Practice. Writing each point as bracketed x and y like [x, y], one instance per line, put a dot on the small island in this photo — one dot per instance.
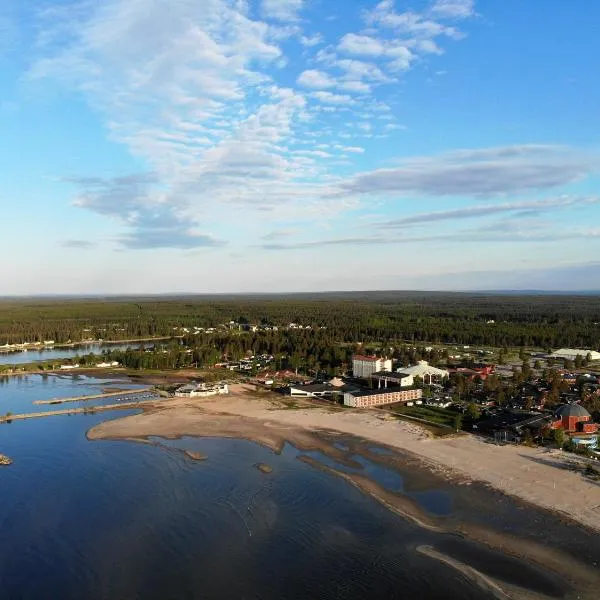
[196, 455]
[264, 468]
[5, 460]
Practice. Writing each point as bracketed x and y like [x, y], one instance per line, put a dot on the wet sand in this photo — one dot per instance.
[266, 420]
[545, 478]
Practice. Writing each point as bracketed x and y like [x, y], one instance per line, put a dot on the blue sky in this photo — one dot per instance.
[292, 145]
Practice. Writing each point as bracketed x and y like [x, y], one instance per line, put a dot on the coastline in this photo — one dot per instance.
[537, 476]
[264, 419]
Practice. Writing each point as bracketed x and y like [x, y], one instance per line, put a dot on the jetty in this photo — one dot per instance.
[74, 411]
[94, 396]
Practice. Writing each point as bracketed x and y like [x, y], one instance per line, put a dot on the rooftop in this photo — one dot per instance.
[571, 410]
[377, 392]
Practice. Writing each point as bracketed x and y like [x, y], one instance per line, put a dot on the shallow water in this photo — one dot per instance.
[116, 519]
[19, 392]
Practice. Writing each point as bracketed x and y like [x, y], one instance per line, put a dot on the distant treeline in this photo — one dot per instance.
[383, 317]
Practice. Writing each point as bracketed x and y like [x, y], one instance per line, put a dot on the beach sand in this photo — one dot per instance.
[541, 477]
[271, 420]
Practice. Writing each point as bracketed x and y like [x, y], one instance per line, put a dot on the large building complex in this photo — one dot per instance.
[425, 371]
[368, 398]
[365, 366]
[385, 378]
[572, 354]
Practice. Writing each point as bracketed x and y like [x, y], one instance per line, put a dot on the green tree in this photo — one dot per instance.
[458, 422]
[473, 411]
[559, 437]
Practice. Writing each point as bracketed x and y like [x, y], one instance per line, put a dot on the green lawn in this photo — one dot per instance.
[443, 416]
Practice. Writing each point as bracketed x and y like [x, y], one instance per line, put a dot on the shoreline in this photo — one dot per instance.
[65, 345]
[264, 421]
[538, 476]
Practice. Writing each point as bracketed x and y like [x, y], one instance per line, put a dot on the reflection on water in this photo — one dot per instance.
[94, 520]
[129, 520]
[50, 353]
[19, 392]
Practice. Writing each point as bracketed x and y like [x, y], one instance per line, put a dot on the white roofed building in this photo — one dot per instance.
[572, 354]
[425, 371]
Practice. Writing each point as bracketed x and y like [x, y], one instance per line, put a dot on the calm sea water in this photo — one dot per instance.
[122, 520]
[19, 392]
[19, 358]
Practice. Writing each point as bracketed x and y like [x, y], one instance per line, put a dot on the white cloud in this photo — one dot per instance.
[282, 10]
[456, 9]
[479, 173]
[315, 79]
[353, 149]
[330, 98]
[361, 45]
[484, 210]
[310, 41]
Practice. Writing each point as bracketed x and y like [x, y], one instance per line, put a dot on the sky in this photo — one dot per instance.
[170, 146]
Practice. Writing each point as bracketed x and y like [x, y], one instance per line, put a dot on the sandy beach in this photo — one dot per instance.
[271, 420]
[541, 477]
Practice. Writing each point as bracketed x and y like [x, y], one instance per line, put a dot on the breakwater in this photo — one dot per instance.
[74, 411]
[94, 396]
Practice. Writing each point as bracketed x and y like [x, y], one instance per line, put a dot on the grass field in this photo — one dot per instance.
[433, 414]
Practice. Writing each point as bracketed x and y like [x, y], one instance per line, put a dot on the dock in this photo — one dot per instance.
[74, 411]
[94, 397]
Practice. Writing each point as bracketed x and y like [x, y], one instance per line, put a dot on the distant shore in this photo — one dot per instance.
[41, 347]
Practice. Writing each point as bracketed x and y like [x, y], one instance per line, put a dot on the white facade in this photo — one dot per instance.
[203, 390]
[425, 371]
[572, 354]
[365, 366]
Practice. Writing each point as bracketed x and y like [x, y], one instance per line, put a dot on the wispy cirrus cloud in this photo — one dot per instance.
[492, 234]
[195, 94]
[78, 244]
[485, 210]
[479, 173]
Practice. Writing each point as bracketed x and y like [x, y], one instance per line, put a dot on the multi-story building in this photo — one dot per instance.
[385, 378]
[368, 398]
[365, 366]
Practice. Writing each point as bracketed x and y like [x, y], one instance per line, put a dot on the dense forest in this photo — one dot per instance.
[542, 321]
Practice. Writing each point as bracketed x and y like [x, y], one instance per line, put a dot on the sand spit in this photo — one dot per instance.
[266, 420]
[195, 455]
[538, 476]
[485, 583]
[575, 573]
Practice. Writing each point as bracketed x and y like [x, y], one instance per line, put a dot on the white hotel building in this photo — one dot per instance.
[365, 366]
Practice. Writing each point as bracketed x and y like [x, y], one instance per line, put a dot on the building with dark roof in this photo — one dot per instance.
[511, 425]
[574, 417]
[384, 378]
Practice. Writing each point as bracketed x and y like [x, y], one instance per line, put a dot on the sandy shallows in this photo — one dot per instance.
[544, 478]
